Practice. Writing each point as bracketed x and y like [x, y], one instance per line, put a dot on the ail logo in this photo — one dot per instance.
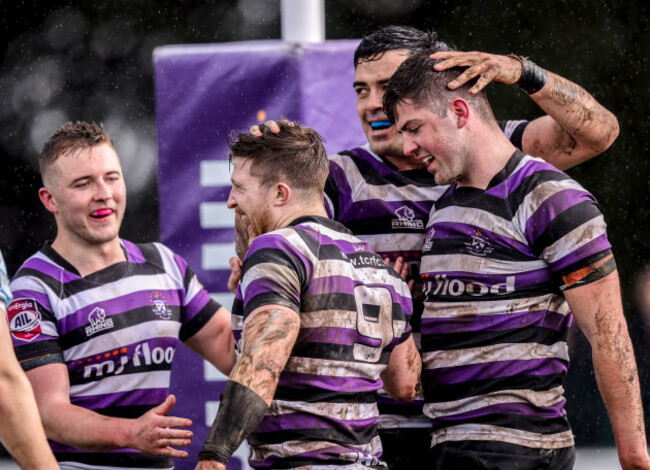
[24, 319]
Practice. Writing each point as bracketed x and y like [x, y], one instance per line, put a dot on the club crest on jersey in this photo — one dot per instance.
[479, 244]
[98, 321]
[159, 304]
[24, 319]
[406, 219]
[428, 243]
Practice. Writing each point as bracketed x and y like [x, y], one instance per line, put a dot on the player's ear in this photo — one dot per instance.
[283, 194]
[459, 110]
[47, 198]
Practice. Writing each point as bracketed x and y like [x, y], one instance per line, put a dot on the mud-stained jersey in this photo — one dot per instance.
[116, 330]
[495, 323]
[389, 210]
[353, 311]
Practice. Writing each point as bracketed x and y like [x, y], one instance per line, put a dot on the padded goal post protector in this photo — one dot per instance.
[203, 93]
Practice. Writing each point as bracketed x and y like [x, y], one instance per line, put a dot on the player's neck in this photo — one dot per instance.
[404, 163]
[490, 154]
[89, 258]
[286, 217]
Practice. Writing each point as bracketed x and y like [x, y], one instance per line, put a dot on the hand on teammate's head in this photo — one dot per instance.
[272, 125]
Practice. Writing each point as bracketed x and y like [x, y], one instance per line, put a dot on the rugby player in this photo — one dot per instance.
[514, 251]
[384, 197]
[100, 317]
[325, 320]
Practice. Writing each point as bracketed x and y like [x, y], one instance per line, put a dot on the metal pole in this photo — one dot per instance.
[303, 20]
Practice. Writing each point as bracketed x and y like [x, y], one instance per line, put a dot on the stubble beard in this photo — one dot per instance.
[90, 237]
[392, 147]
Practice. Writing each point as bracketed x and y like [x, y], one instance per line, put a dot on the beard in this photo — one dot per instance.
[243, 236]
[260, 222]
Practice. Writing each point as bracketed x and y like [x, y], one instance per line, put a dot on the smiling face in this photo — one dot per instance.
[370, 80]
[86, 193]
[435, 141]
[250, 198]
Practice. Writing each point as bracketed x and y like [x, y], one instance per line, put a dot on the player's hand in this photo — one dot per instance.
[154, 431]
[272, 125]
[488, 67]
[235, 274]
[209, 465]
[400, 268]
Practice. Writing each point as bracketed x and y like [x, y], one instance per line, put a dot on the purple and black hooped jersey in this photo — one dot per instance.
[389, 210]
[116, 330]
[385, 207]
[353, 311]
[495, 322]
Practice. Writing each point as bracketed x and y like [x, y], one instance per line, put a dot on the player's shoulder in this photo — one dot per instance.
[533, 171]
[152, 253]
[282, 241]
[361, 157]
[39, 269]
[535, 181]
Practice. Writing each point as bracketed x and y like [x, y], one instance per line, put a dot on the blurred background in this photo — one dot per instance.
[92, 60]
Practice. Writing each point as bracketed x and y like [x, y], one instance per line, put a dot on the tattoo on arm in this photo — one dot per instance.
[583, 108]
[269, 336]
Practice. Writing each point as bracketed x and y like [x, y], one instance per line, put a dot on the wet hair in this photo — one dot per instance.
[77, 135]
[416, 80]
[373, 46]
[295, 155]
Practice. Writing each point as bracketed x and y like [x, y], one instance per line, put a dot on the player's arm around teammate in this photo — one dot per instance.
[599, 314]
[402, 376]
[21, 430]
[576, 127]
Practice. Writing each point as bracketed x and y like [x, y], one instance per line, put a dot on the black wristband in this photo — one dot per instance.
[240, 411]
[533, 77]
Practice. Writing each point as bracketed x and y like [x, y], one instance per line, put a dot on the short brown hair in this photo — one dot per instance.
[295, 155]
[417, 81]
[71, 136]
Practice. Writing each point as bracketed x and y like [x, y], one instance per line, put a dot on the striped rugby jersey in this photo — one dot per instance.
[389, 209]
[116, 330]
[495, 323]
[353, 311]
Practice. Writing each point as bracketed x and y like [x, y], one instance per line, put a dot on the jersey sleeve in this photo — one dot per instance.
[337, 189]
[197, 307]
[564, 225]
[5, 292]
[33, 324]
[274, 272]
[514, 131]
